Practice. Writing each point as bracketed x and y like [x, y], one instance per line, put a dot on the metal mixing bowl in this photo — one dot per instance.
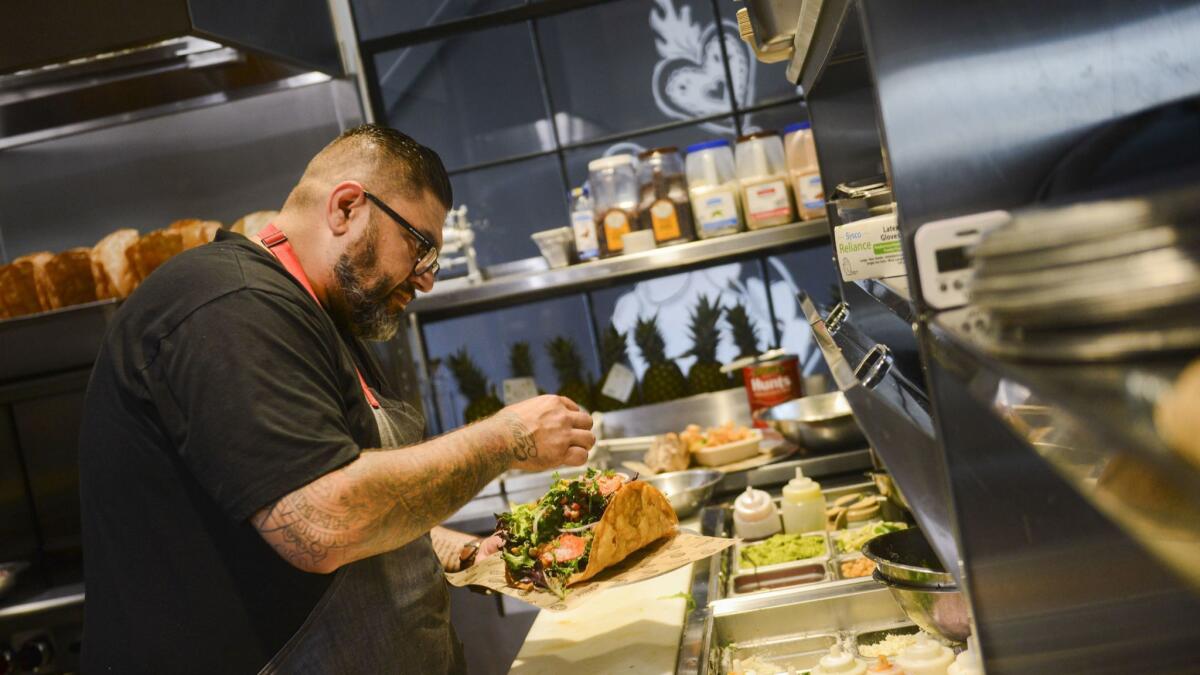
[819, 423]
[937, 611]
[907, 565]
[686, 490]
[907, 558]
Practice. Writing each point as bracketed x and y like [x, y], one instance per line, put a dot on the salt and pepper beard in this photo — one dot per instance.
[355, 304]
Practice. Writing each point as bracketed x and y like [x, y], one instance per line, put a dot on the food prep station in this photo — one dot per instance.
[1068, 530]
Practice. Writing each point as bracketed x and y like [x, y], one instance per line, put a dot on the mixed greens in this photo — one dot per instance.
[547, 541]
[853, 540]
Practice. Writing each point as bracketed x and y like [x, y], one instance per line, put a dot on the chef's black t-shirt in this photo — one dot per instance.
[221, 386]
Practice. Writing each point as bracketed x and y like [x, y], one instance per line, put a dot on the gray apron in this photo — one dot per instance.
[389, 613]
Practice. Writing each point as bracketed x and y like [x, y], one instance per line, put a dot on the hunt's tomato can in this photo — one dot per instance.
[770, 382]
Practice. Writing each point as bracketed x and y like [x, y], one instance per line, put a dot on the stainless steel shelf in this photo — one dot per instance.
[1093, 425]
[524, 288]
[893, 295]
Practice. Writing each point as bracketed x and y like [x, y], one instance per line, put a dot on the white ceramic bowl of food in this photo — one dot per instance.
[720, 455]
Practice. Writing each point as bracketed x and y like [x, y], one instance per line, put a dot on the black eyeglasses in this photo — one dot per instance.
[427, 253]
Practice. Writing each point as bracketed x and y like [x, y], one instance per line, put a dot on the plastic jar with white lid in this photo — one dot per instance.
[763, 176]
[755, 515]
[713, 188]
[614, 200]
[925, 657]
[801, 153]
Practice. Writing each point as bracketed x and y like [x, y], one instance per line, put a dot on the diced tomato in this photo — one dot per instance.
[569, 547]
[610, 484]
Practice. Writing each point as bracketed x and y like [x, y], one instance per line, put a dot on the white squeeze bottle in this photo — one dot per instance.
[754, 515]
[762, 173]
[969, 662]
[925, 657]
[713, 189]
[803, 505]
[838, 662]
[801, 154]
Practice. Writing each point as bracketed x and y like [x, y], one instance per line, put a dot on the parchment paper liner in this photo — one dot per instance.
[665, 555]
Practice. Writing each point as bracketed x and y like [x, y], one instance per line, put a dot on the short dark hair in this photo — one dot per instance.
[422, 166]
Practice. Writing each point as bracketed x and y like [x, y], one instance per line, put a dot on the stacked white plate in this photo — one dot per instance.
[1098, 280]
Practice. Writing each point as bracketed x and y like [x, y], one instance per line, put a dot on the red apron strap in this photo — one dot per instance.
[277, 243]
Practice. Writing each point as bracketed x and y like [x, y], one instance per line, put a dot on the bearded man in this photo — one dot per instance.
[253, 497]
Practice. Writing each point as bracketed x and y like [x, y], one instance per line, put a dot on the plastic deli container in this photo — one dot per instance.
[663, 197]
[614, 200]
[801, 153]
[713, 189]
[763, 176]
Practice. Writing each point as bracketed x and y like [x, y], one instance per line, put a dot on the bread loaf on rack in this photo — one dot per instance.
[68, 278]
[36, 264]
[195, 231]
[249, 224]
[152, 250]
[18, 288]
[115, 276]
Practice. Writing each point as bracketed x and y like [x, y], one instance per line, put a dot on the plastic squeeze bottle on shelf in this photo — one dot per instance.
[925, 657]
[803, 505]
[838, 662]
[969, 662]
[583, 223]
[801, 154]
[884, 667]
[754, 515]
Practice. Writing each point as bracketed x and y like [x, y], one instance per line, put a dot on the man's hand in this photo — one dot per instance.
[489, 546]
[547, 432]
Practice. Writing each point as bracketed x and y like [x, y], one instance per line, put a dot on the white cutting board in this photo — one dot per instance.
[629, 629]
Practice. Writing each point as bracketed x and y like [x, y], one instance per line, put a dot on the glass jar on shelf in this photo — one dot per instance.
[614, 200]
[663, 197]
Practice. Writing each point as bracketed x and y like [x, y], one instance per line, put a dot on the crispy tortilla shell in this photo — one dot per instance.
[637, 515]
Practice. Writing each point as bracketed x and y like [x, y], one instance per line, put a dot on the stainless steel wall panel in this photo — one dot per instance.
[977, 102]
[216, 162]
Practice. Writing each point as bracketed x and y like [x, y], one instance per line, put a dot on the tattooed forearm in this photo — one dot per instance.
[384, 500]
[523, 446]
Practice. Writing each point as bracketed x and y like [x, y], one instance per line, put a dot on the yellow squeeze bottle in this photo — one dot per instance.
[803, 505]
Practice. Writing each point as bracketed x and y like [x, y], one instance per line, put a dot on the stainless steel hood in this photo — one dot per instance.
[66, 66]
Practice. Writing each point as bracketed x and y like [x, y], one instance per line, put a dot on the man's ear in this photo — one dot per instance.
[344, 199]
